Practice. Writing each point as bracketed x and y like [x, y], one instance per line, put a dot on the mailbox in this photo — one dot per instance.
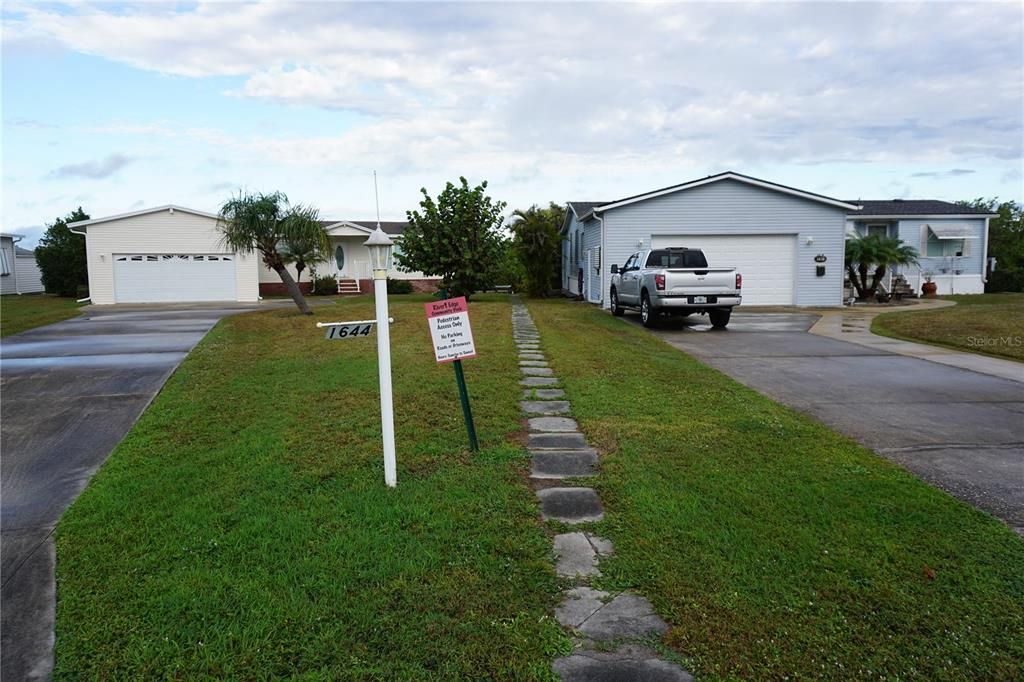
[820, 270]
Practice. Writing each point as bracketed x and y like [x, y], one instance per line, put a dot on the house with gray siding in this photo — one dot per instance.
[952, 240]
[788, 243]
[19, 273]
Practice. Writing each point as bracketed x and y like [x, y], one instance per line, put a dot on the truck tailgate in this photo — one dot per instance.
[700, 281]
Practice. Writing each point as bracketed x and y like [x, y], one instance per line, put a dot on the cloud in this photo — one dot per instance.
[93, 170]
[954, 173]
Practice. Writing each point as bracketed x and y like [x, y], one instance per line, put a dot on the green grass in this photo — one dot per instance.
[990, 324]
[775, 548]
[242, 530]
[21, 313]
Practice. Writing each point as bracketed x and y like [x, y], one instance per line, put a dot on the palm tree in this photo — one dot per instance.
[301, 250]
[865, 252]
[260, 222]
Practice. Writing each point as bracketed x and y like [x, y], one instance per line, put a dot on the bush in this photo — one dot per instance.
[399, 286]
[1005, 279]
[61, 257]
[325, 286]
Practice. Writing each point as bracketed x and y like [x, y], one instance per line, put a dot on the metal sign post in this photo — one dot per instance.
[453, 341]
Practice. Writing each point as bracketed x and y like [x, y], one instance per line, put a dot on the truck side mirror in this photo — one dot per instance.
[615, 269]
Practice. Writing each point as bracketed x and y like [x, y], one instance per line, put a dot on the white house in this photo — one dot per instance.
[19, 273]
[173, 254]
[788, 243]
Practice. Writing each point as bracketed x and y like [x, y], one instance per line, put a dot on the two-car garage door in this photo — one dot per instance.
[767, 262]
[173, 277]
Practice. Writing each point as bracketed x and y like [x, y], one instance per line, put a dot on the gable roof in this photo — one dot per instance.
[18, 251]
[368, 226]
[582, 208]
[119, 216]
[915, 207]
[728, 175]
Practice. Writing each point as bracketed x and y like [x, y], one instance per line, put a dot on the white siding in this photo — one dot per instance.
[159, 233]
[7, 282]
[30, 279]
[729, 207]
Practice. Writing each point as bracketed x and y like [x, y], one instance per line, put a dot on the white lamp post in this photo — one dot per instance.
[380, 245]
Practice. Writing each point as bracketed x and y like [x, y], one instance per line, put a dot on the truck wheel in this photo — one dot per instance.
[648, 317]
[614, 299]
[719, 318]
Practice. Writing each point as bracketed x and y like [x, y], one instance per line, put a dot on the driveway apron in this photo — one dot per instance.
[71, 391]
[958, 429]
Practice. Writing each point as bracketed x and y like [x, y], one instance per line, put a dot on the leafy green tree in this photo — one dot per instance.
[262, 222]
[509, 270]
[537, 241]
[1005, 242]
[61, 256]
[456, 237]
[867, 252]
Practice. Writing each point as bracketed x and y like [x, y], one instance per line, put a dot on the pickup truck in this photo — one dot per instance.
[674, 281]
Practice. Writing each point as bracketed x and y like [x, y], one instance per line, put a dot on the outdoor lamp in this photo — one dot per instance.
[380, 246]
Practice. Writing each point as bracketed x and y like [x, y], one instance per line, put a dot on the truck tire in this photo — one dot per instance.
[720, 317]
[648, 316]
[614, 301]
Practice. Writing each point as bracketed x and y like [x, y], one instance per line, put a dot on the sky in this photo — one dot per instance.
[116, 107]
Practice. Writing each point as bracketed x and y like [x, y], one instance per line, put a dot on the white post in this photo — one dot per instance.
[387, 413]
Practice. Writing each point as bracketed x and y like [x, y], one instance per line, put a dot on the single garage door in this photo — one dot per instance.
[767, 262]
[173, 278]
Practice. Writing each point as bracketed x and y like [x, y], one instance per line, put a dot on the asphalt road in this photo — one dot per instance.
[70, 392]
[957, 429]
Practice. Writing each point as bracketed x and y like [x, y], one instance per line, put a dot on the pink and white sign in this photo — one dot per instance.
[449, 329]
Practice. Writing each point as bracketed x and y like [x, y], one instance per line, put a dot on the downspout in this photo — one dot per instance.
[14, 264]
[82, 232]
[600, 279]
[984, 257]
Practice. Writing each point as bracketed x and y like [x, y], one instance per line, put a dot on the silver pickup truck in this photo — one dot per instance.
[674, 281]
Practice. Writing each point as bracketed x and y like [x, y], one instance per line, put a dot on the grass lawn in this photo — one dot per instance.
[242, 530]
[21, 313]
[775, 548]
[992, 324]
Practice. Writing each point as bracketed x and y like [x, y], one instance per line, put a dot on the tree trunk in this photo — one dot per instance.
[877, 278]
[858, 286]
[293, 289]
[865, 292]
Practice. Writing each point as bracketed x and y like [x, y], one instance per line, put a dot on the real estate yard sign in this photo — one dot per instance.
[452, 338]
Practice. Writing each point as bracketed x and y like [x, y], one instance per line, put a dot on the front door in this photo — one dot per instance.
[340, 262]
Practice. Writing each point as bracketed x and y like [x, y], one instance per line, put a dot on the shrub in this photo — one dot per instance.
[1005, 279]
[61, 257]
[325, 286]
[399, 286]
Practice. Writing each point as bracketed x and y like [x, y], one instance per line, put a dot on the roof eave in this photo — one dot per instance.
[132, 214]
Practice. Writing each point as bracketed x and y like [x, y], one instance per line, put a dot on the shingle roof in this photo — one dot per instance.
[911, 207]
[581, 208]
[24, 252]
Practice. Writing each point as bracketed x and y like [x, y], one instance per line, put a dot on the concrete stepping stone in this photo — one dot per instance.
[575, 556]
[627, 616]
[625, 664]
[538, 381]
[531, 356]
[555, 441]
[580, 603]
[564, 463]
[560, 424]
[570, 505]
[544, 406]
[543, 393]
[533, 363]
[537, 371]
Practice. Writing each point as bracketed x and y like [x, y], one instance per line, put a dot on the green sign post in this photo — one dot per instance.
[453, 341]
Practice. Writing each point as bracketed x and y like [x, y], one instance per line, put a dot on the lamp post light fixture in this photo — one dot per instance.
[380, 247]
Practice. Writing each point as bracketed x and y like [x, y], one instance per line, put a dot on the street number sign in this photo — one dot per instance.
[450, 330]
[348, 331]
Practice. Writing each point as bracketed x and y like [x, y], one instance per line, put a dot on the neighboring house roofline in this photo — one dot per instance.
[12, 235]
[728, 175]
[132, 214]
[915, 208]
[347, 223]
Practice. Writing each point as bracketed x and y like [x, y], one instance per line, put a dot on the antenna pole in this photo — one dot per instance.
[376, 198]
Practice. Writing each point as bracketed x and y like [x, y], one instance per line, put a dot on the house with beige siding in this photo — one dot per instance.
[174, 254]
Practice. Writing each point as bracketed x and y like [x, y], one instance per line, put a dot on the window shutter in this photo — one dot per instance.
[597, 258]
[924, 240]
[966, 250]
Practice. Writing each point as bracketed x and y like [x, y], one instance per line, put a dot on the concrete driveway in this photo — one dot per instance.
[958, 429]
[71, 391]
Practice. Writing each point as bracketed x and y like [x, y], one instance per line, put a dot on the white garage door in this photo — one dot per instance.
[173, 278]
[767, 262]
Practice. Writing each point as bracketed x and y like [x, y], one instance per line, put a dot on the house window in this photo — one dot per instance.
[878, 230]
[943, 248]
[5, 265]
[339, 258]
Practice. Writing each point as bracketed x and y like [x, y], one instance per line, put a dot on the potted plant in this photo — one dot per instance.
[929, 288]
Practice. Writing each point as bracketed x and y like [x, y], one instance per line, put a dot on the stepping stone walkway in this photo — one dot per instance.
[560, 451]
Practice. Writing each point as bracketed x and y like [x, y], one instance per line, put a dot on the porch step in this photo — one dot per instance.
[348, 286]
